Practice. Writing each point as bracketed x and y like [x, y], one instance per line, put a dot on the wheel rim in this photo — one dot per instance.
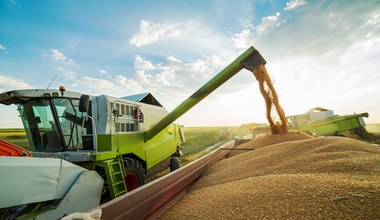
[131, 181]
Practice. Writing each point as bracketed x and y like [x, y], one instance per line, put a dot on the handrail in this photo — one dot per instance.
[94, 134]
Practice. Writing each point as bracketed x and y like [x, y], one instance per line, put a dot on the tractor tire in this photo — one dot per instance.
[134, 175]
[174, 163]
[359, 131]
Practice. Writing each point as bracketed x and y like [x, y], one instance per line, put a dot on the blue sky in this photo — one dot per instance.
[319, 53]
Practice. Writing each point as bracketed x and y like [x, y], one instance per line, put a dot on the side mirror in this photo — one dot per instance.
[84, 103]
[38, 119]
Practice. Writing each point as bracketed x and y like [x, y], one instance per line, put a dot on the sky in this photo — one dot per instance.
[319, 53]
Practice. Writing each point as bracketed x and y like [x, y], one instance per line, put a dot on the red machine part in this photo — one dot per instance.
[9, 149]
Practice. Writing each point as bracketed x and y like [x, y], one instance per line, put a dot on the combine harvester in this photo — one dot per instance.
[87, 150]
[321, 121]
[82, 147]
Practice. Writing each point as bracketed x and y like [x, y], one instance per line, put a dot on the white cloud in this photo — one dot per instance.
[243, 39]
[247, 37]
[58, 56]
[373, 24]
[374, 19]
[267, 24]
[182, 39]
[320, 28]
[102, 71]
[141, 77]
[293, 4]
[159, 77]
[124, 82]
[174, 79]
[141, 63]
[68, 74]
[3, 49]
[171, 81]
[150, 33]
[363, 53]
[172, 62]
[175, 72]
[95, 84]
[7, 83]
[118, 85]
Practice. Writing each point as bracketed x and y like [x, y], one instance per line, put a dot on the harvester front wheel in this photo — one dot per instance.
[134, 175]
[174, 163]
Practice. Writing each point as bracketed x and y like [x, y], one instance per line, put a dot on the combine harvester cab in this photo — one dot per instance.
[100, 135]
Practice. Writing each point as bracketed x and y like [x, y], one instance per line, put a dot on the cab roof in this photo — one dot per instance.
[20, 96]
[147, 98]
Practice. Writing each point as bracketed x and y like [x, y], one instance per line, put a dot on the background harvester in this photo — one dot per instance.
[321, 121]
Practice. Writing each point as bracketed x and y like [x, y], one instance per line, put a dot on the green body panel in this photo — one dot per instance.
[108, 145]
[333, 124]
[105, 155]
[162, 146]
[105, 143]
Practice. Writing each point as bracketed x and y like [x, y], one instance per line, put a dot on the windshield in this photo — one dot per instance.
[53, 125]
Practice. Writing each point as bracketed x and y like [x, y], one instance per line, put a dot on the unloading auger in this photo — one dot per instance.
[251, 60]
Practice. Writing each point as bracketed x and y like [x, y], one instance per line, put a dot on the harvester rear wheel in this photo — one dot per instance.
[134, 175]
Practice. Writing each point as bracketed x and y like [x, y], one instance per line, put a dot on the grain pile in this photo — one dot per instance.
[304, 178]
[266, 140]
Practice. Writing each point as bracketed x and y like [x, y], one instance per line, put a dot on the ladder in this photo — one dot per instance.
[115, 177]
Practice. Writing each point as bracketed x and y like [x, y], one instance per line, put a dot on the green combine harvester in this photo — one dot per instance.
[321, 121]
[87, 150]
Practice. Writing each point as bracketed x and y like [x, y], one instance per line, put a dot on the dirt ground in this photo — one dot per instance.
[288, 176]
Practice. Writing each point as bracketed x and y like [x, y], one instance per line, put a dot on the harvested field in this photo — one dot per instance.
[290, 176]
